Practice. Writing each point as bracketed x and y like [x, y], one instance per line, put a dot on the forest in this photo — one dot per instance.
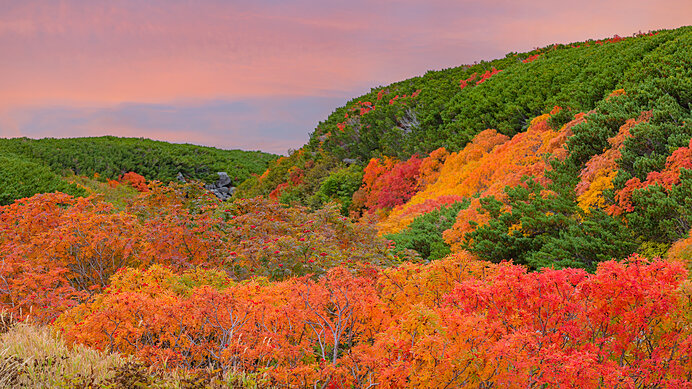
[520, 222]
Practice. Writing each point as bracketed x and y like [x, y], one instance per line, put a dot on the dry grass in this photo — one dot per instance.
[34, 356]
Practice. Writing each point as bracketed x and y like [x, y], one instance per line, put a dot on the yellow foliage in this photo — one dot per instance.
[593, 197]
[682, 251]
[485, 166]
[601, 169]
[457, 168]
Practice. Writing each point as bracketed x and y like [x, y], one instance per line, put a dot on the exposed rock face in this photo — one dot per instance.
[222, 188]
[224, 179]
[181, 178]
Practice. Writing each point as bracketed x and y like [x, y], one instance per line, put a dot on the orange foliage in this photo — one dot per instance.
[180, 226]
[57, 248]
[601, 169]
[617, 92]
[276, 193]
[456, 322]
[682, 251]
[505, 165]
[262, 238]
[485, 166]
[302, 328]
[430, 167]
[454, 167]
[389, 183]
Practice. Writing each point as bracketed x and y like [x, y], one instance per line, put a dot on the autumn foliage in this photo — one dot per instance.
[175, 226]
[485, 166]
[457, 322]
[388, 182]
[469, 205]
[601, 169]
[135, 180]
[666, 179]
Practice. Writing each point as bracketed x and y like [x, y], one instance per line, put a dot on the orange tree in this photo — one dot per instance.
[300, 331]
[56, 249]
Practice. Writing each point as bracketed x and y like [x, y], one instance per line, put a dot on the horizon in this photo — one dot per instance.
[258, 76]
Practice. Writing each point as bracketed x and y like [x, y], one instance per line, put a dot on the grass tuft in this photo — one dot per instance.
[33, 356]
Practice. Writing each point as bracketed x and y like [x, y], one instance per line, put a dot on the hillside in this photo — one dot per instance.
[519, 223]
[602, 125]
[111, 157]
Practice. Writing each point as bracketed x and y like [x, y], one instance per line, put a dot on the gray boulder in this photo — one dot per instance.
[224, 179]
[221, 188]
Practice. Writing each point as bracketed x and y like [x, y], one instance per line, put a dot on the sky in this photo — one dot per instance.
[260, 74]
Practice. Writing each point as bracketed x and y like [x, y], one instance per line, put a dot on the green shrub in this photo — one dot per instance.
[21, 178]
[424, 234]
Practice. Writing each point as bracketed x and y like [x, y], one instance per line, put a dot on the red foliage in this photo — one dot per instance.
[84, 240]
[667, 178]
[362, 107]
[454, 323]
[55, 248]
[531, 58]
[464, 83]
[135, 180]
[397, 97]
[388, 183]
[486, 76]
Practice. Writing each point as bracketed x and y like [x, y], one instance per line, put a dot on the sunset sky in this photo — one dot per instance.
[259, 74]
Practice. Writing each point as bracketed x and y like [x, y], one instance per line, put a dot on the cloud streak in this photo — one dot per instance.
[269, 124]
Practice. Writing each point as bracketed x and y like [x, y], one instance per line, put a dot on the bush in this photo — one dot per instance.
[424, 234]
[20, 178]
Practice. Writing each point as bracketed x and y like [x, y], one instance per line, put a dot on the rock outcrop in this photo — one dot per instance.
[222, 188]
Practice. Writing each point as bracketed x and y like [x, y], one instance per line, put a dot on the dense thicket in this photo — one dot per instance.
[601, 125]
[449, 107]
[447, 273]
[20, 178]
[111, 157]
[424, 234]
[170, 281]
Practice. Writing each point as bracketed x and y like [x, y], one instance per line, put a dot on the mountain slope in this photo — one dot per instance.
[601, 127]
